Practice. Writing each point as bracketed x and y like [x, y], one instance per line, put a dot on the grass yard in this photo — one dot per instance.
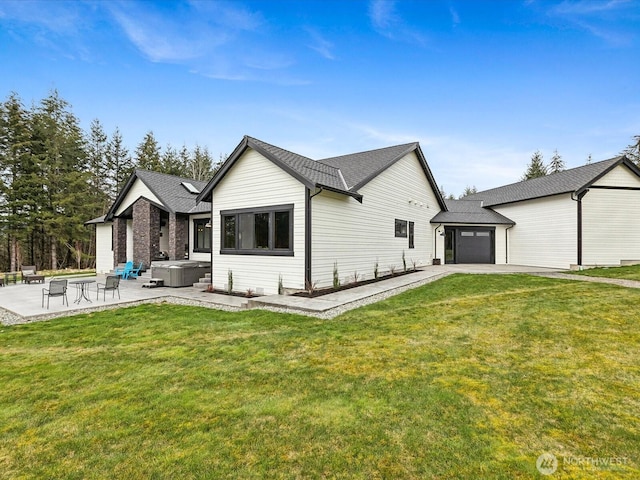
[468, 377]
[631, 272]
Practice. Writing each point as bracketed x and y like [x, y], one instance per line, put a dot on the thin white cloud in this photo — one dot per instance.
[455, 17]
[389, 23]
[587, 7]
[600, 18]
[320, 45]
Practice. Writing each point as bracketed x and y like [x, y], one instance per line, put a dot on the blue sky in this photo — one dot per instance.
[481, 85]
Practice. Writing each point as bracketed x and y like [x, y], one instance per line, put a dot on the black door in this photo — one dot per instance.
[472, 244]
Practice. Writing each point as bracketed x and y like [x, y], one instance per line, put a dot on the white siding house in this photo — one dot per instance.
[582, 217]
[349, 212]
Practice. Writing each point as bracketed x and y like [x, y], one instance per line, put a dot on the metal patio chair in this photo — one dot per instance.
[57, 288]
[112, 282]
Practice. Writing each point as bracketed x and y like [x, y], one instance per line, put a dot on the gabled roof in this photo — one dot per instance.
[470, 212]
[169, 189]
[344, 174]
[575, 180]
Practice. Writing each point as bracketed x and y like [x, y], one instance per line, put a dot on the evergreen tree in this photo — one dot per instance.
[148, 155]
[556, 164]
[59, 149]
[19, 176]
[633, 150]
[119, 165]
[172, 163]
[536, 167]
[469, 191]
[98, 165]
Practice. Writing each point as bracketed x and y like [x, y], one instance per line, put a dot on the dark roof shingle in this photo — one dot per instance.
[470, 212]
[571, 180]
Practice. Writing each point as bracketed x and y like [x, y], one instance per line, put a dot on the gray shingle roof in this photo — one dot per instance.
[470, 212]
[316, 173]
[173, 196]
[358, 168]
[344, 174]
[572, 180]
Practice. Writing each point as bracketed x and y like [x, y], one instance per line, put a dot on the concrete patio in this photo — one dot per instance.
[22, 303]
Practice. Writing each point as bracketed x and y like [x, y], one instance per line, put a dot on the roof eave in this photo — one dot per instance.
[349, 193]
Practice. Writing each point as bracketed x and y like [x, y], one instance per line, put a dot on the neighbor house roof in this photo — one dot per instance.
[470, 212]
[575, 180]
[174, 192]
[344, 174]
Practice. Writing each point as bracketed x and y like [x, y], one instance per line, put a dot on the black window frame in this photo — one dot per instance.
[412, 234]
[204, 222]
[401, 228]
[271, 210]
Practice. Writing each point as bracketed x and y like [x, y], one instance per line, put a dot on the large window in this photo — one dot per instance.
[401, 228]
[201, 235]
[258, 231]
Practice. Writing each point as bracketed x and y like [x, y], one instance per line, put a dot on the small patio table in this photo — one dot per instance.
[82, 290]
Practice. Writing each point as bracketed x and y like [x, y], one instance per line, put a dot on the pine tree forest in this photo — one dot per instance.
[54, 177]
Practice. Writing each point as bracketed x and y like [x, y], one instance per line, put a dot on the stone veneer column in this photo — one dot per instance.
[119, 239]
[146, 231]
[178, 233]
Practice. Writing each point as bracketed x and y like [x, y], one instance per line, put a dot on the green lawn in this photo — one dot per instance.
[468, 377]
[631, 272]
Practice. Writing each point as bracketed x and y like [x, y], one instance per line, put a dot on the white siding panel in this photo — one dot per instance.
[620, 176]
[104, 247]
[545, 234]
[611, 230]
[357, 235]
[137, 190]
[255, 181]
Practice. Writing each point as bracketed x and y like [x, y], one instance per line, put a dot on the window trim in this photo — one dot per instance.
[271, 251]
[204, 222]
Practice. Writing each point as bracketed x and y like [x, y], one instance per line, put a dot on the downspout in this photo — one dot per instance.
[506, 244]
[307, 235]
[435, 242]
[578, 199]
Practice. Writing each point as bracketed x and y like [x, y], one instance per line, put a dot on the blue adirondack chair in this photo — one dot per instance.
[125, 271]
[135, 272]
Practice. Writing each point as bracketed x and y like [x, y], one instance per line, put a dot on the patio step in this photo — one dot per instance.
[202, 285]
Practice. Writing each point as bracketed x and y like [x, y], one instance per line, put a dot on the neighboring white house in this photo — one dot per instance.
[155, 216]
[281, 217]
[582, 217]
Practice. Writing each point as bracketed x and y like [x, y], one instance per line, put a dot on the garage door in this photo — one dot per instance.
[473, 245]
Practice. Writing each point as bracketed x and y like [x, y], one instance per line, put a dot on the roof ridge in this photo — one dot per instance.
[410, 144]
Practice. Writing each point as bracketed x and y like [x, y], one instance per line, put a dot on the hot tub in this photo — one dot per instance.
[179, 273]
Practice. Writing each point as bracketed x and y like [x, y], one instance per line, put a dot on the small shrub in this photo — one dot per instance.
[414, 264]
[336, 276]
[229, 282]
[211, 288]
[310, 287]
[392, 270]
[249, 293]
[404, 261]
[356, 277]
[375, 270]
[280, 285]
